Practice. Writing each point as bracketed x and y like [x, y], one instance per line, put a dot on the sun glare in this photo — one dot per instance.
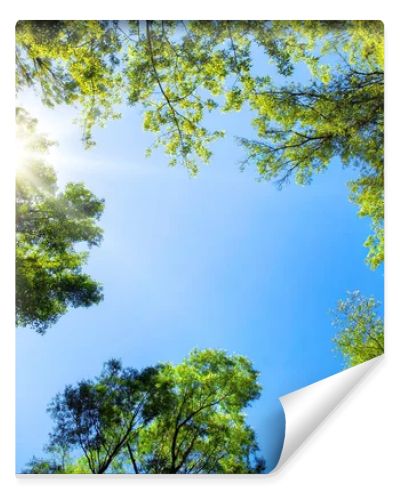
[22, 154]
[54, 125]
[30, 143]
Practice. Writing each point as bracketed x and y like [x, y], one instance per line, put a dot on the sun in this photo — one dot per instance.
[32, 144]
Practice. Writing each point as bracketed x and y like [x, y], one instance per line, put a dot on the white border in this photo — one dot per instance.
[350, 455]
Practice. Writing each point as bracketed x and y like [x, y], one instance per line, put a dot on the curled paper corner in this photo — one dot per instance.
[306, 408]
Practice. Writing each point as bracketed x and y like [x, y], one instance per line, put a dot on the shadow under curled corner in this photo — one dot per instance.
[306, 408]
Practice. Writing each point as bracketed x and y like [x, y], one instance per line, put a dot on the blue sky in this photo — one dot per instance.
[217, 261]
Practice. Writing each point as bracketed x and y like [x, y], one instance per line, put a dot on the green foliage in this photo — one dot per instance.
[301, 127]
[185, 418]
[203, 428]
[361, 332]
[180, 71]
[43, 466]
[99, 417]
[71, 62]
[49, 223]
[59, 461]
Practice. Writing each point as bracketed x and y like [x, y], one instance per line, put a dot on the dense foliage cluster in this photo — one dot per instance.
[360, 334]
[168, 419]
[180, 71]
[49, 223]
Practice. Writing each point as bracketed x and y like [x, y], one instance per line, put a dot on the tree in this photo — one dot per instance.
[301, 127]
[58, 462]
[361, 333]
[186, 418]
[179, 71]
[43, 466]
[49, 223]
[99, 417]
[203, 428]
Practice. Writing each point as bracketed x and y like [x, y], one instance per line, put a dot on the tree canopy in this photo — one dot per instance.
[49, 224]
[360, 334]
[99, 417]
[180, 71]
[185, 418]
[203, 428]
